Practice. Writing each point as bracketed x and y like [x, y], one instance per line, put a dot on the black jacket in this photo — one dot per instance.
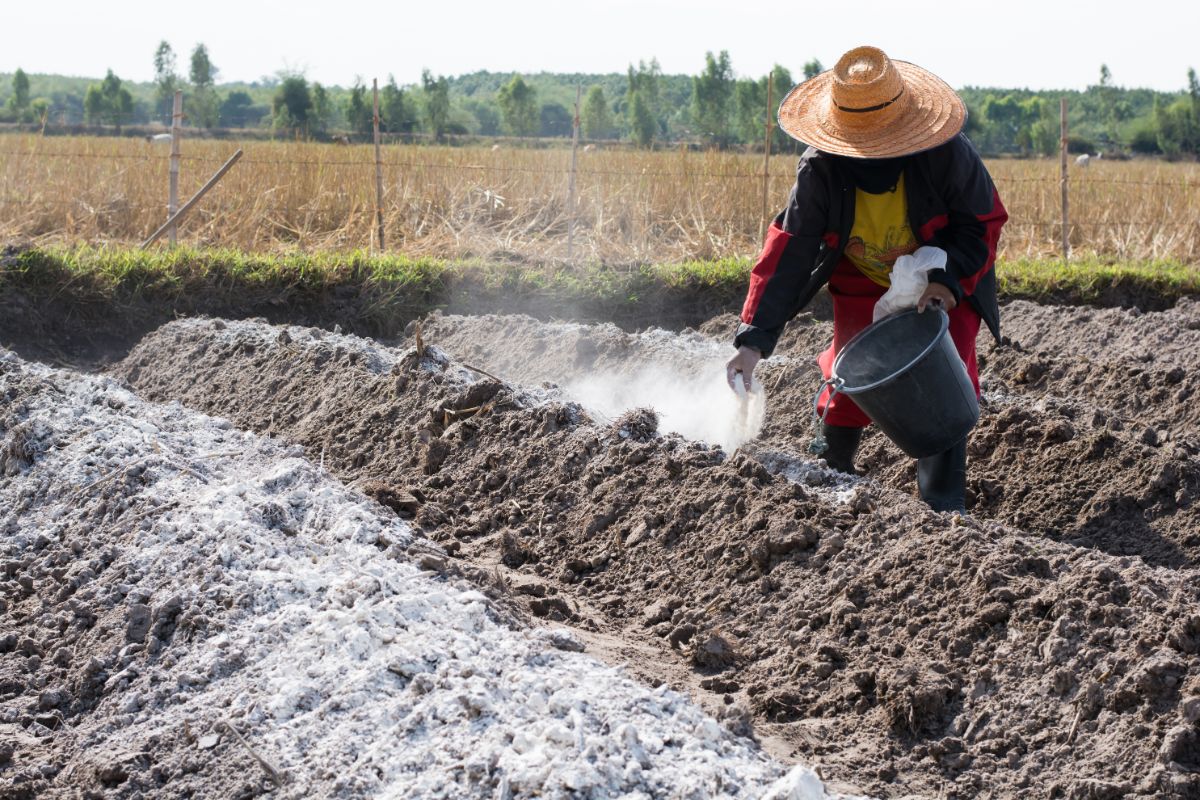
[952, 204]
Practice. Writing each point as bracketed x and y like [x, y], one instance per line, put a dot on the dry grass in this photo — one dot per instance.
[512, 203]
[1141, 210]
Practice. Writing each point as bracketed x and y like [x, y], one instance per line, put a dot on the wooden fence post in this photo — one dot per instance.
[378, 168]
[571, 180]
[762, 220]
[173, 185]
[1062, 146]
[174, 219]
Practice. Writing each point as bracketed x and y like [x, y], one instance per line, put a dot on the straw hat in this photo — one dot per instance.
[869, 106]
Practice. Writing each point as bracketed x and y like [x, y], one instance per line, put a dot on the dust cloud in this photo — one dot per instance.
[696, 404]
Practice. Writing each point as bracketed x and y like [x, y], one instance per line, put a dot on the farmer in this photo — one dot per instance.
[886, 171]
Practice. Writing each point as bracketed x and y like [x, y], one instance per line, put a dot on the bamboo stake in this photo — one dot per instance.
[571, 180]
[178, 215]
[173, 186]
[762, 221]
[378, 168]
[1062, 147]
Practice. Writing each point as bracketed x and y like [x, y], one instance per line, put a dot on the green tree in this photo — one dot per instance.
[1108, 102]
[1144, 140]
[108, 101]
[812, 69]
[396, 109]
[518, 107]
[782, 83]
[1040, 126]
[93, 105]
[359, 112]
[1170, 127]
[750, 108]
[204, 104]
[166, 81]
[203, 73]
[642, 125]
[487, 118]
[646, 78]
[712, 92]
[645, 81]
[1176, 127]
[320, 116]
[237, 111]
[1194, 96]
[18, 103]
[1004, 117]
[292, 103]
[437, 102]
[39, 109]
[595, 117]
[555, 120]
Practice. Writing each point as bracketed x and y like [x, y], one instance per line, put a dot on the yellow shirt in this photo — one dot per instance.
[880, 233]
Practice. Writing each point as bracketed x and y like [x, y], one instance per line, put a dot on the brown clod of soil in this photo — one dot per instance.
[640, 424]
[396, 498]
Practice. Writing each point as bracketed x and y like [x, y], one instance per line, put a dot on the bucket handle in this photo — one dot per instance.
[819, 444]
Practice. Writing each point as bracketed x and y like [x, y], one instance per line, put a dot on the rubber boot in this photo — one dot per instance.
[942, 479]
[842, 445]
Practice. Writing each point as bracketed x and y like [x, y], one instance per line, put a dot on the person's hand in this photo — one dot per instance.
[744, 362]
[937, 292]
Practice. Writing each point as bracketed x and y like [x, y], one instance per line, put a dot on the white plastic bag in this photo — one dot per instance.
[910, 277]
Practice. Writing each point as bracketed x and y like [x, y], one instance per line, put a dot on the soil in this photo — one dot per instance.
[1123, 429]
[190, 610]
[1167, 338]
[1044, 646]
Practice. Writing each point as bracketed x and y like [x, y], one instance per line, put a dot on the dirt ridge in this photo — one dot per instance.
[907, 651]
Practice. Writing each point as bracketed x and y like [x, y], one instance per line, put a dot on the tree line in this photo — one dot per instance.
[1104, 118]
[714, 108]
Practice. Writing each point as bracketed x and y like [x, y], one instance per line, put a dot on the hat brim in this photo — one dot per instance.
[932, 115]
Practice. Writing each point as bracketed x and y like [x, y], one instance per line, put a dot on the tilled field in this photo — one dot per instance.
[194, 611]
[1046, 646]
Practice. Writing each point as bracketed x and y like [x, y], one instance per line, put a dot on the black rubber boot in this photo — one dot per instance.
[942, 479]
[842, 445]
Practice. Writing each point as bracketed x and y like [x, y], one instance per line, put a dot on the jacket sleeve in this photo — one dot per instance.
[786, 263]
[975, 216]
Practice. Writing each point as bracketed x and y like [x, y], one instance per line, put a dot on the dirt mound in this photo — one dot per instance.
[1160, 397]
[1079, 477]
[1163, 338]
[909, 652]
[191, 611]
[1101, 453]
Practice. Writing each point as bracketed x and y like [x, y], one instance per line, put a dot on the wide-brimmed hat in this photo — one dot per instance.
[869, 106]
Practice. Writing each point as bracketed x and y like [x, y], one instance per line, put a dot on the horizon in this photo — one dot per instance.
[1056, 48]
[262, 81]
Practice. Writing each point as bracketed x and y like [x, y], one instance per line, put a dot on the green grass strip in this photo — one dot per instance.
[1093, 281]
[213, 279]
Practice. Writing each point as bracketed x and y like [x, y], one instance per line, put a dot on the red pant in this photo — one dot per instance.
[854, 296]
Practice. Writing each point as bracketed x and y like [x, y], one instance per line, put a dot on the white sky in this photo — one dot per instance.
[1015, 43]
